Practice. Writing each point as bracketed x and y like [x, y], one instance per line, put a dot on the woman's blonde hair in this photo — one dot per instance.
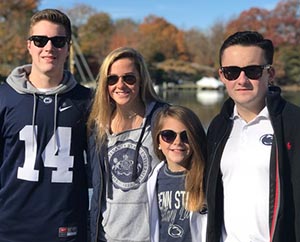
[103, 106]
[194, 184]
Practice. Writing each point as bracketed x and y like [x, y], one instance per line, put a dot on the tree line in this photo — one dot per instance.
[171, 53]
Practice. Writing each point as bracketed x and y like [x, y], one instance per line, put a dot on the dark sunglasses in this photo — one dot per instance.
[129, 79]
[169, 136]
[252, 72]
[40, 40]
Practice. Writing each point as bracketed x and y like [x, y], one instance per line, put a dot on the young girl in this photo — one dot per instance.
[175, 189]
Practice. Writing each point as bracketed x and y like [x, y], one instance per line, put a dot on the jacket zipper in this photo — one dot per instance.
[277, 194]
[277, 183]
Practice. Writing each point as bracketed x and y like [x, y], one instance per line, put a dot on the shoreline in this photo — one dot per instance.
[290, 88]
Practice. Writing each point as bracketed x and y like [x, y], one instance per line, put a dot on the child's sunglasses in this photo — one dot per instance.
[169, 136]
[40, 40]
[253, 72]
[129, 79]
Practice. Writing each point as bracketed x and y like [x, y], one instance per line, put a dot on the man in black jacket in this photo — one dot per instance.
[252, 175]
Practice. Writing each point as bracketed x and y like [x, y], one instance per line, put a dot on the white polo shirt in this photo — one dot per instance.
[245, 167]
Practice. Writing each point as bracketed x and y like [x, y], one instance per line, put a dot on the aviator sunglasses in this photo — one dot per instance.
[129, 79]
[40, 40]
[169, 136]
[254, 72]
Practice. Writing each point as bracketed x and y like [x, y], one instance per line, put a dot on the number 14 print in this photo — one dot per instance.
[61, 160]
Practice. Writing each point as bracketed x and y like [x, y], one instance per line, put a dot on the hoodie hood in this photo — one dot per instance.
[18, 80]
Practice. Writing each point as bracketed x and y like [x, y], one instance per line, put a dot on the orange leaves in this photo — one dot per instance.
[281, 24]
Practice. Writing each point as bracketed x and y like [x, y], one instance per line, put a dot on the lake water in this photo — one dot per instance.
[207, 104]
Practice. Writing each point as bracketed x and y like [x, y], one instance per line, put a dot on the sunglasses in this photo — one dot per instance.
[252, 72]
[169, 136]
[129, 79]
[40, 40]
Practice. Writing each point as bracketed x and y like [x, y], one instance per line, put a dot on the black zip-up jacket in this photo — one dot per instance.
[284, 208]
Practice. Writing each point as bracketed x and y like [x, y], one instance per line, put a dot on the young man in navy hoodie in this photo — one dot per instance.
[43, 112]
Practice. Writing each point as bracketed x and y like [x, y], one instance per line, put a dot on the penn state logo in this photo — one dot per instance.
[175, 231]
[266, 139]
[121, 161]
[46, 100]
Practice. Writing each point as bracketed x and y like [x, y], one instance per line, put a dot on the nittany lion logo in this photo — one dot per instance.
[267, 139]
[175, 231]
[122, 165]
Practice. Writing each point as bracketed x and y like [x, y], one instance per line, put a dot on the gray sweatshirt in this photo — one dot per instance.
[120, 207]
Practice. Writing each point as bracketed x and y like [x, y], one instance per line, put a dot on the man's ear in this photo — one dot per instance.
[271, 73]
[221, 76]
[29, 44]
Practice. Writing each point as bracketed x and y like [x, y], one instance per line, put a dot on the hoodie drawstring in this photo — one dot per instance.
[34, 130]
[56, 142]
[34, 134]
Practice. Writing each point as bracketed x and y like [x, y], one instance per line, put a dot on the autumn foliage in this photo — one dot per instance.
[171, 53]
[14, 17]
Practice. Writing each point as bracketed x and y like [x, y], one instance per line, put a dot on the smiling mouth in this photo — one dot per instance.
[49, 59]
[124, 93]
[181, 150]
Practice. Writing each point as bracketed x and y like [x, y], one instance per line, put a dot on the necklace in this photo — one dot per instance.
[130, 122]
[132, 116]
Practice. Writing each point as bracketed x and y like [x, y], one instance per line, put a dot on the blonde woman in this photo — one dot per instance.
[121, 150]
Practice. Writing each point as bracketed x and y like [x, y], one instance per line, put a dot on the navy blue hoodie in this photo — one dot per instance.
[43, 184]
